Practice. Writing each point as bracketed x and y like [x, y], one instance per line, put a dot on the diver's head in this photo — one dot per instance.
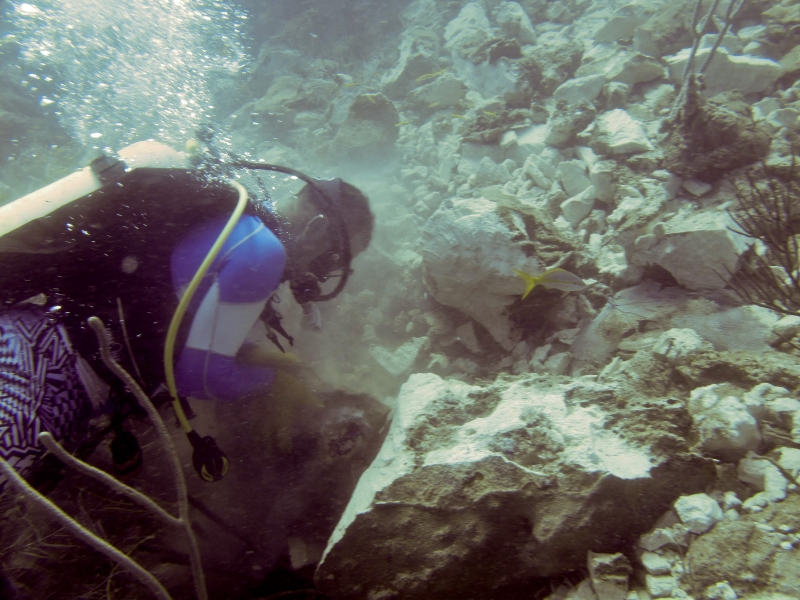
[325, 229]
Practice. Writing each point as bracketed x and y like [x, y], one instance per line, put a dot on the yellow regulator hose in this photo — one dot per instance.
[172, 332]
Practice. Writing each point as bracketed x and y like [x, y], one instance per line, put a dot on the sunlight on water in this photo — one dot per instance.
[116, 73]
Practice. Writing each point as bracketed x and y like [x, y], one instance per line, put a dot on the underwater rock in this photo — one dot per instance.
[667, 31]
[616, 132]
[469, 253]
[368, 133]
[701, 250]
[398, 362]
[764, 477]
[469, 30]
[725, 426]
[728, 72]
[609, 575]
[632, 68]
[567, 120]
[755, 554]
[699, 512]
[576, 208]
[515, 23]
[418, 57]
[572, 175]
[580, 89]
[522, 468]
[444, 91]
[622, 25]
[717, 136]
[489, 172]
[743, 328]
[552, 61]
[677, 346]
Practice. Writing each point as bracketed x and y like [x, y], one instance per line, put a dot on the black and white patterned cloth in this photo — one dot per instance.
[40, 388]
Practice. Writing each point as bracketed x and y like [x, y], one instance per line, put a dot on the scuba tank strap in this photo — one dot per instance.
[108, 167]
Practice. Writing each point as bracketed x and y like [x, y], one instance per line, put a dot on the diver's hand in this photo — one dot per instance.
[312, 319]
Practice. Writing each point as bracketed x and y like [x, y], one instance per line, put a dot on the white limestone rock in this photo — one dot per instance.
[489, 173]
[654, 563]
[601, 175]
[460, 459]
[445, 91]
[675, 535]
[763, 476]
[763, 108]
[612, 259]
[696, 188]
[632, 68]
[532, 169]
[721, 591]
[700, 249]
[418, 56]
[785, 329]
[725, 426]
[558, 364]
[634, 211]
[572, 175]
[619, 133]
[609, 575]
[399, 362]
[760, 395]
[580, 89]
[623, 23]
[515, 23]
[699, 512]
[468, 30]
[489, 80]
[660, 586]
[677, 346]
[469, 259]
[747, 74]
[575, 209]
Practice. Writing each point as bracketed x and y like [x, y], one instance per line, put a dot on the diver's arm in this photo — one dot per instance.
[247, 273]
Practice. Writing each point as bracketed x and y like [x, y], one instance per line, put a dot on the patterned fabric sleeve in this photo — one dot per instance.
[40, 387]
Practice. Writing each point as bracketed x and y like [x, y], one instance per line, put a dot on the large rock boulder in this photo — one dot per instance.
[701, 249]
[728, 72]
[713, 138]
[469, 254]
[418, 56]
[480, 488]
[367, 134]
[468, 31]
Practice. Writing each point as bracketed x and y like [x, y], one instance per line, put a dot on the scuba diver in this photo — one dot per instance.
[139, 239]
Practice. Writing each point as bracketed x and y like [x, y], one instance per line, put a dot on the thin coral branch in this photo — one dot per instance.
[691, 78]
[180, 482]
[770, 275]
[110, 481]
[79, 531]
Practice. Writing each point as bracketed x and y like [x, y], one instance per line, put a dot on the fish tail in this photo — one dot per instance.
[530, 282]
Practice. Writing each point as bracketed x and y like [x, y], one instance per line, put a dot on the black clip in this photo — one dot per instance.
[209, 461]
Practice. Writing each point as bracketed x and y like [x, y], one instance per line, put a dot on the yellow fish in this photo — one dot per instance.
[434, 104]
[554, 279]
[490, 113]
[352, 84]
[431, 75]
[401, 123]
[458, 116]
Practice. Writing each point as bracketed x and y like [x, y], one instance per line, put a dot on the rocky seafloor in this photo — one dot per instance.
[637, 439]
